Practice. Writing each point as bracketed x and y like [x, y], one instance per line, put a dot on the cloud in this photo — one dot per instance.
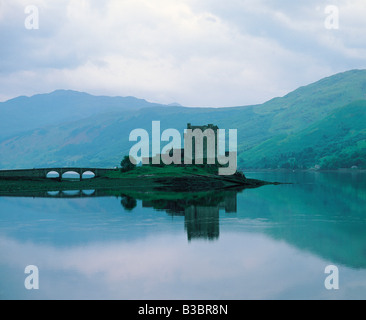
[197, 53]
[156, 266]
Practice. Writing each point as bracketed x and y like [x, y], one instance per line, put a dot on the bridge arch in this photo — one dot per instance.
[71, 174]
[88, 175]
[53, 174]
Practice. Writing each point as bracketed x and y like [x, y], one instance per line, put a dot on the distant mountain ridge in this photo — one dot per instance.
[322, 124]
[25, 113]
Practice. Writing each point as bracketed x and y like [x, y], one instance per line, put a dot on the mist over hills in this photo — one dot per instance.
[26, 113]
[322, 124]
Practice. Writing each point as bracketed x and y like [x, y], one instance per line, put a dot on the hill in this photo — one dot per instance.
[337, 141]
[27, 113]
[319, 124]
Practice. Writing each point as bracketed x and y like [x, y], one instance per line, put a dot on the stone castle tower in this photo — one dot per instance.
[203, 129]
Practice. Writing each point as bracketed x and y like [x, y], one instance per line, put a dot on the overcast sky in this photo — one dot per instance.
[195, 52]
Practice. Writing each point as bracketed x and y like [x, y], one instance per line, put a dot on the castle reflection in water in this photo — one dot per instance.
[202, 215]
[201, 210]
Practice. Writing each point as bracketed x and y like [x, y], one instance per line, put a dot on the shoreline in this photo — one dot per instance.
[187, 183]
[345, 170]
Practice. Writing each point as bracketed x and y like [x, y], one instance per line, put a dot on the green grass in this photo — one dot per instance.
[139, 180]
[167, 171]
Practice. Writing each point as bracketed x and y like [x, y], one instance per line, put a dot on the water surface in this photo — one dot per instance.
[273, 242]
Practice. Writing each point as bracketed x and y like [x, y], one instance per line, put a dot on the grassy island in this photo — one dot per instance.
[140, 179]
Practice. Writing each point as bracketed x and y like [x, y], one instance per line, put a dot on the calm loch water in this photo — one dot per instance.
[272, 242]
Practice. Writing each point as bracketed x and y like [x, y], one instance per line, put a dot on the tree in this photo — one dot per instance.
[126, 164]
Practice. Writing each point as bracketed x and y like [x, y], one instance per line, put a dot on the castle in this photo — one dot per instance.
[199, 157]
[215, 129]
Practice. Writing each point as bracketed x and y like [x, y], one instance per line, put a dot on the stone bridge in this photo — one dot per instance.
[43, 173]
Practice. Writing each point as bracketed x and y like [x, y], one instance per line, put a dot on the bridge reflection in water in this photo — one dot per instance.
[57, 194]
[72, 194]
